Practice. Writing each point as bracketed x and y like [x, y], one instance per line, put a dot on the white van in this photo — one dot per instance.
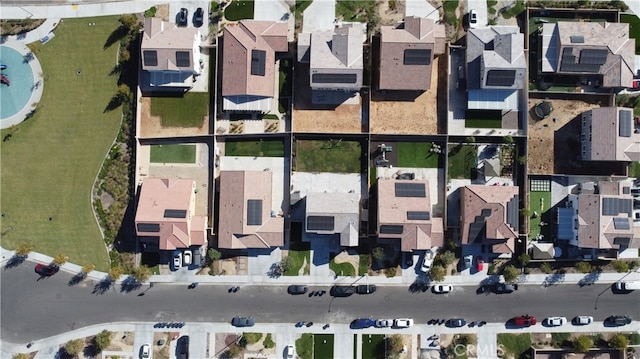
[626, 286]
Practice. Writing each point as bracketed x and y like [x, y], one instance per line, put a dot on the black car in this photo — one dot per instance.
[183, 17]
[456, 323]
[183, 347]
[618, 320]
[297, 289]
[342, 290]
[502, 288]
[366, 288]
[363, 323]
[243, 321]
[198, 17]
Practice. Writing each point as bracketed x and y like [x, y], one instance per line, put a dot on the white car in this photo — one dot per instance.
[383, 323]
[177, 260]
[289, 352]
[556, 321]
[442, 288]
[144, 351]
[403, 323]
[187, 255]
[468, 261]
[582, 320]
[429, 255]
[473, 19]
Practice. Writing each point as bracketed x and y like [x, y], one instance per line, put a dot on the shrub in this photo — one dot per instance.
[87, 268]
[150, 12]
[59, 259]
[524, 259]
[268, 342]
[394, 343]
[141, 274]
[446, 258]
[492, 269]
[510, 273]
[621, 266]
[377, 253]
[583, 343]
[23, 249]
[584, 267]
[546, 268]
[74, 347]
[102, 340]
[618, 341]
[437, 273]
[390, 272]
[252, 338]
[115, 273]
[286, 264]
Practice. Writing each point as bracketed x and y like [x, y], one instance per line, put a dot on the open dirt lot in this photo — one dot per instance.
[151, 126]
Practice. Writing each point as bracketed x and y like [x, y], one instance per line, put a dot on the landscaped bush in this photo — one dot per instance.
[268, 342]
[546, 268]
[584, 267]
[621, 266]
[251, 338]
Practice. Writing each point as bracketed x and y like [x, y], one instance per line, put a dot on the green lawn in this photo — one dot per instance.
[483, 123]
[373, 346]
[335, 156]
[173, 153]
[364, 263]
[634, 28]
[239, 9]
[298, 251]
[355, 10]
[323, 346]
[462, 159]
[416, 154]
[536, 199]
[634, 169]
[514, 344]
[261, 148]
[50, 162]
[304, 346]
[342, 269]
[185, 111]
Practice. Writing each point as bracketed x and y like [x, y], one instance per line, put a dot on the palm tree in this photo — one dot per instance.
[23, 249]
[141, 274]
[115, 273]
[87, 268]
[59, 259]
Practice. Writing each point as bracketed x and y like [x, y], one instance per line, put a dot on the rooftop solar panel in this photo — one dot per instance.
[175, 213]
[258, 62]
[150, 57]
[391, 229]
[593, 56]
[320, 223]
[254, 212]
[183, 59]
[577, 39]
[621, 223]
[615, 206]
[334, 78]
[417, 57]
[418, 215]
[625, 123]
[148, 227]
[512, 213]
[501, 77]
[404, 189]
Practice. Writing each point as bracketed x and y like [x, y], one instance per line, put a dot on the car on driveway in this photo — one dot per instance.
[383, 323]
[456, 323]
[297, 289]
[618, 320]
[363, 323]
[479, 264]
[442, 288]
[46, 270]
[177, 260]
[525, 321]
[243, 321]
[145, 350]
[582, 320]
[183, 17]
[366, 288]
[402, 323]
[468, 261]
[556, 321]
[473, 18]
[183, 347]
[427, 261]
[342, 290]
[289, 352]
[187, 257]
[198, 18]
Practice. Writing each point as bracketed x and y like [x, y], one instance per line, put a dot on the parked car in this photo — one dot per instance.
[144, 351]
[525, 321]
[362, 323]
[187, 257]
[383, 323]
[442, 288]
[243, 321]
[582, 320]
[198, 17]
[427, 261]
[468, 261]
[618, 320]
[479, 264]
[177, 260]
[366, 288]
[627, 286]
[456, 323]
[402, 323]
[47, 270]
[182, 18]
[289, 352]
[342, 290]
[473, 18]
[556, 321]
[297, 289]
[183, 347]
[504, 288]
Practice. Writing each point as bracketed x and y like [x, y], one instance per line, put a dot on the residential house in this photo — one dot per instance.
[407, 51]
[600, 220]
[249, 78]
[608, 135]
[599, 52]
[334, 213]
[496, 70]
[165, 217]
[404, 215]
[170, 54]
[489, 217]
[247, 218]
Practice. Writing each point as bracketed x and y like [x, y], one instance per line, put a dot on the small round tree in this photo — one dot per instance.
[546, 268]
[583, 343]
[141, 274]
[510, 274]
[584, 267]
[621, 266]
[102, 340]
[395, 343]
[524, 259]
[74, 347]
[447, 258]
[619, 341]
[437, 273]
[377, 253]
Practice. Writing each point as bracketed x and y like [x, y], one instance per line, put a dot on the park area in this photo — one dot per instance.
[333, 156]
[50, 162]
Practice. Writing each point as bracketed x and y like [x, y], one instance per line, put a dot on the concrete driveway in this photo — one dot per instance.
[319, 16]
[480, 6]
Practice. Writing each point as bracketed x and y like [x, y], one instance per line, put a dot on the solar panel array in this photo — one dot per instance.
[404, 189]
[417, 57]
[320, 223]
[418, 215]
[258, 62]
[391, 229]
[334, 78]
[512, 212]
[569, 63]
[593, 56]
[621, 223]
[175, 213]
[183, 59]
[615, 206]
[150, 57]
[501, 77]
[254, 212]
[625, 123]
[148, 227]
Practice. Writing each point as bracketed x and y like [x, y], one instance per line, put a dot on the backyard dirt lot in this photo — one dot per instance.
[151, 126]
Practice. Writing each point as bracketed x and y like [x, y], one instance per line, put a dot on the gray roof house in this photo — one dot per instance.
[407, 51]
[496, 67]
[170, 54]
[589, 49]
[334, 213]
[608, 135]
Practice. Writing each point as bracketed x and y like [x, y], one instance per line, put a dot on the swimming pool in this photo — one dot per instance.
[15, 97]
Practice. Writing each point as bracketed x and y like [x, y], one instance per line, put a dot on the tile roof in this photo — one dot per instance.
[608, 135]
[166, 39]
[337, 52]
[413, 34]
[237, 188]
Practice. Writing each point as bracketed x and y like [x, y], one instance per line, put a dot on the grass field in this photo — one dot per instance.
[342, 269]
[373, 346]
[173, 153]
[50, 162]
[335, 156]
[354, 10]
[239, 9]
[268, 148]
[304, 346]
[514, 344]
[185, 111]
[323, 346]
[462, 160]
[416, 154]
[536, 199]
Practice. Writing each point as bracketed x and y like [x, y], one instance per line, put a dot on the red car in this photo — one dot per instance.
[525, 321]
[479, 264]
[46, 270]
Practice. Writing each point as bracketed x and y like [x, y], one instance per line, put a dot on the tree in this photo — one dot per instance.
[470, 139]
[508, 139]
[87, 268]
[102, 340]
[546, 268]
[286, 264]
[510, 273]
[524, 259]
[437, 273]
[213, 255]
[115, 273]
[447, 258]
[141, 274]
[584, 267]
[618, 341]
[74, 347]
[124, 93]
[395, 343]
[59, 259]
[621, 266]
[23, 249]
[583, 343]
[377, 253]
